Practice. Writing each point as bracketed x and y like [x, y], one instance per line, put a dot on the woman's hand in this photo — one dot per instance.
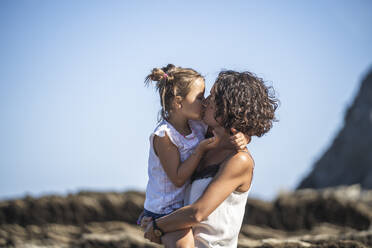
[150, 235]
[239, 140]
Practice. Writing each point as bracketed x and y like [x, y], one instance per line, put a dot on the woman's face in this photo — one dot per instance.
[209, 111]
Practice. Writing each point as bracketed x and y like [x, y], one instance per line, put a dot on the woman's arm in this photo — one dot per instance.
[169, 157]
[236, 172]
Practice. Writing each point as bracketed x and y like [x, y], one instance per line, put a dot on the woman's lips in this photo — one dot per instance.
[202, 112]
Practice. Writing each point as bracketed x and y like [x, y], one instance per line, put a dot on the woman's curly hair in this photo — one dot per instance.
[244, 102]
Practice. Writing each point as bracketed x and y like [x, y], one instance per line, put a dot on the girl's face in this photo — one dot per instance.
[192, 104]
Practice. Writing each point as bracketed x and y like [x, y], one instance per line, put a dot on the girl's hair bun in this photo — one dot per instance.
[169, 68]
[158, 74]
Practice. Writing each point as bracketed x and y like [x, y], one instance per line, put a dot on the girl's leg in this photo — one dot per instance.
[179, 239]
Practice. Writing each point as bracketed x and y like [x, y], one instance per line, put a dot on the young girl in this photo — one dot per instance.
[177, 145]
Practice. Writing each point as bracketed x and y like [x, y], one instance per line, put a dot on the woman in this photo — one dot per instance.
[220, 187]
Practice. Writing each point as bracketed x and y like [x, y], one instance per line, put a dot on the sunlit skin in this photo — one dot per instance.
[234, 175]
[191, 107]
[192, 104]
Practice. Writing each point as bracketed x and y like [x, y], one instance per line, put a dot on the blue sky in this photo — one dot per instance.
[75, 114]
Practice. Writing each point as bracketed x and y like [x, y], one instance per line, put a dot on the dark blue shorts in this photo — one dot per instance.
[148, 213]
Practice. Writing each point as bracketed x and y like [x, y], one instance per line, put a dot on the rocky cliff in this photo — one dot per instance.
[349, 159]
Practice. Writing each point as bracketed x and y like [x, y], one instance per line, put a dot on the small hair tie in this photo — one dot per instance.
[165, 75]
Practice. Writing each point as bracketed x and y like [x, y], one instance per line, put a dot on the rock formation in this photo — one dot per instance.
[349, 159]
[332, 217]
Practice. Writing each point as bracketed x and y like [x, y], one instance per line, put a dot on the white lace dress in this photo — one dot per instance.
[162, 197]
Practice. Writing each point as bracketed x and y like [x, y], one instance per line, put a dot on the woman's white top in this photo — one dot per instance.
[222, 226]
[162, 196]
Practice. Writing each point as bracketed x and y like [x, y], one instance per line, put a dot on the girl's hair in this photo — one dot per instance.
[171, 81]
[244, 102]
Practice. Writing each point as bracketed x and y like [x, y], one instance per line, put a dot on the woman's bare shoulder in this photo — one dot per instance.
[243, 158]
[240, 162]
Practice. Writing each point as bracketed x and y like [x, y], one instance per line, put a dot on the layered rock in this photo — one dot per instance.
[335, 217]
[78, 209]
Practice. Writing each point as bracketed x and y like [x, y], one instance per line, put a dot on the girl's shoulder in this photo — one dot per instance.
[163, 129]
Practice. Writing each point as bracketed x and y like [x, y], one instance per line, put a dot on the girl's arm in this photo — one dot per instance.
[169, 157]
[239, 140]
[237, 171]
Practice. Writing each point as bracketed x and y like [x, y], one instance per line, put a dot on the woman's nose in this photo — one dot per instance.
[205, 102]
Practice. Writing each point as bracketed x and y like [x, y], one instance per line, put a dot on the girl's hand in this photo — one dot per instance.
[239, 140]
[149, 234]
[209, 143]
[145, 221]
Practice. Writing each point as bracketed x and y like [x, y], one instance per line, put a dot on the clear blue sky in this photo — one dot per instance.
[75, 114]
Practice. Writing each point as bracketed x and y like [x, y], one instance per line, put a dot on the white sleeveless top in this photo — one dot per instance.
[222, 226]
[162, 196]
